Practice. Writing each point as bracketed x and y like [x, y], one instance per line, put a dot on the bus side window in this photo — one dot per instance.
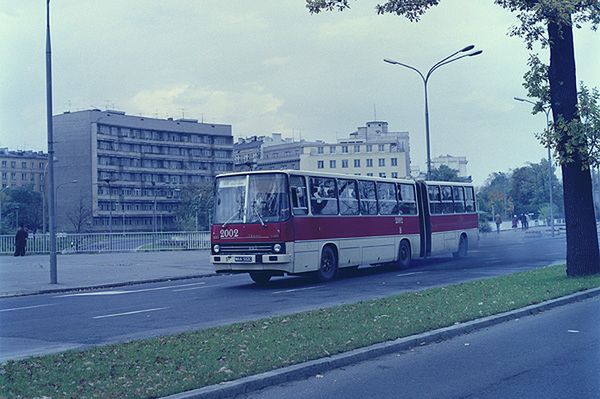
[386, 196]
[348, 194]
[447, 205]
[368, 198]
[323, 197]
[408, 202]
[298, 195]
[470, 199]
[459, 199]
[435, 205]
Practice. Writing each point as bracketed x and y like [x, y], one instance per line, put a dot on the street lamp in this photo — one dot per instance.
[547, 112]
[64, 184]
[50, 136]
[425, 79]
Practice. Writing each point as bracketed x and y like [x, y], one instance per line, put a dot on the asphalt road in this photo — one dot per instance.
[54, 322]
[555, 354]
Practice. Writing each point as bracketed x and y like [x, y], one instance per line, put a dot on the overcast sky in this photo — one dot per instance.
[273, 67]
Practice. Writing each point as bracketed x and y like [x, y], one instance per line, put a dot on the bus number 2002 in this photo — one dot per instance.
[229, 233]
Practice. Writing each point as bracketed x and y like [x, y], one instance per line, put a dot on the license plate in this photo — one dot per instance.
[243, 259]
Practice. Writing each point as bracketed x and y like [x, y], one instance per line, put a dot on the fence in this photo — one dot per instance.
[115, 242]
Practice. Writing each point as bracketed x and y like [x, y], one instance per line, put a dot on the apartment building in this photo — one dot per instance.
[126, 172]
[23, 168]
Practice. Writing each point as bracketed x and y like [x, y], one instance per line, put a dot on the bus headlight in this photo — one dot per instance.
[277, 248]
[216, 248]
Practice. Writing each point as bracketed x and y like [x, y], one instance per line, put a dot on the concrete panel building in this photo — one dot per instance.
[124, 173]
[23, 168]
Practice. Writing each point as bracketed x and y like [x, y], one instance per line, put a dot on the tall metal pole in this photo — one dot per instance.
[427, 129]
[50, 189]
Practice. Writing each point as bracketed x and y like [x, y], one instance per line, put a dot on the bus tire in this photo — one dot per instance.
[260, 277]
[329, 265]
[404, 255]
[463, 247]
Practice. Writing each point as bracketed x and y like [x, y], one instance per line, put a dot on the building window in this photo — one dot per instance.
[332, 164]
[13, 164]
[394, 161]
[369, 148]
[344, 163]
[319, 150]
[357, 163]
[320, 164]
[23, 165]
[369, 163]
[382, 174]
[381, 161]
[369, 174]
[381, 147]
[4, 164]
[332, 149]
[345, 149]
[356, 148]
[394, 175]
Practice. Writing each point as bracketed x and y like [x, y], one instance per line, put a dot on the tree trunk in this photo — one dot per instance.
[583, 256]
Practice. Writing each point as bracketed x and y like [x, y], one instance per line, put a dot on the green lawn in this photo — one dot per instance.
[167, 365]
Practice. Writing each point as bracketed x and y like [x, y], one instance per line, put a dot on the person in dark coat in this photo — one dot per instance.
[21, 241]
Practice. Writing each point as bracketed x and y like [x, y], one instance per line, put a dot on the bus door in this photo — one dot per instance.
[424, 219]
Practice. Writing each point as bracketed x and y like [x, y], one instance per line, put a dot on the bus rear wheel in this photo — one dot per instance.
[463, 247]
[260, 277]
[404, 256]
[328, 267]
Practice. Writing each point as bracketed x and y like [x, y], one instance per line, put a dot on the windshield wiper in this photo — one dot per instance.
[258, 214]
[231, 217]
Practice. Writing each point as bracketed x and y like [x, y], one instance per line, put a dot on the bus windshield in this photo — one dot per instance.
[260, 198]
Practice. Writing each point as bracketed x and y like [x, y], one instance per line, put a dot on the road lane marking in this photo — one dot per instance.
[128, 313]
[26, 307]
[294, 290]
[120, 292]
[191, 288]
[409, 274]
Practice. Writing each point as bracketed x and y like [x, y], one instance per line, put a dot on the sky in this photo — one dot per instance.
[273, 67]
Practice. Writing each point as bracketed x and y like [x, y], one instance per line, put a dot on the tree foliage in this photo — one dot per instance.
[446, 173]
[576, 139]
[523, 190]
[25, 203]
[195, 207]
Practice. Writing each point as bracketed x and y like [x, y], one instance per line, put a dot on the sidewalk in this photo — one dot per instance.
[31, 274]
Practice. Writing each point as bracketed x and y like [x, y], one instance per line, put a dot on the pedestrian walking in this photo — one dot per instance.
[498, 223]
[21, 241]
[515, 222]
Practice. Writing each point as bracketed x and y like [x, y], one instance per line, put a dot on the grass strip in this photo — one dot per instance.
[166, 365]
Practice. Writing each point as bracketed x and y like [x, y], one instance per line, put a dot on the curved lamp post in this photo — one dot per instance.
[425, 77]
[547, 112]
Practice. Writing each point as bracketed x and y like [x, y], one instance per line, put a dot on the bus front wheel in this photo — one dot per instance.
[260, 277]
[328, 267]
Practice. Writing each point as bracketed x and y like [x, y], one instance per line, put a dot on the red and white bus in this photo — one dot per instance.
[269, 223]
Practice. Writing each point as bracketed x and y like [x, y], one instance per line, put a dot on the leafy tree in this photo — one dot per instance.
[494, 195]
[550, 23]
[25, 203]
[195, 207]
[446, 173]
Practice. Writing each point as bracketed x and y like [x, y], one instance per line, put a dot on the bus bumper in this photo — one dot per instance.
[224, 263]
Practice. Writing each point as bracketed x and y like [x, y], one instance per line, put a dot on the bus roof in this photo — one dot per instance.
[318, 174]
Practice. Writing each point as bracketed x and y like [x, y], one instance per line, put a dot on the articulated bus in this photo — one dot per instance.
[269, 223]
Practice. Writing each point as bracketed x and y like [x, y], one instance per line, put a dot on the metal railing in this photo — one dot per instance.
[106, 242]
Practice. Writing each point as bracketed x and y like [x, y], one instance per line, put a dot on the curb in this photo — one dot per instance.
[109, 285]
[303, 370]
